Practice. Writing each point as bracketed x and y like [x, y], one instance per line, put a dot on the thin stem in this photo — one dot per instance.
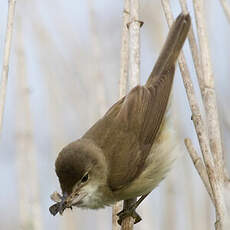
[226, 8]
[116, 209]
[6, 57]
[210, 95]
[211, 112]
[196, 114]
[134, 68]
[197, 118]
[195, 51]
[214, 170]
[134, 44]
[128, 222]
[124, 69]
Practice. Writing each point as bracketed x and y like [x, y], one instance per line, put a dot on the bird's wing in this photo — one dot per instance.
[139, 119]
[127, 131]
[143, 109]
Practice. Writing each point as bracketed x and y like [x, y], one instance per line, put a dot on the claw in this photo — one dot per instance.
[128, 212]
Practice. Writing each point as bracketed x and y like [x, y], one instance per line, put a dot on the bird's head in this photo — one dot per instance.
[81, 170]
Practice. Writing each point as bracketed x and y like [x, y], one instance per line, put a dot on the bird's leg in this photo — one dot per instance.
[129, 209]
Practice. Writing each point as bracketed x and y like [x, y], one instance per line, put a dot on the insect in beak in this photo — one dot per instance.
[61, 203]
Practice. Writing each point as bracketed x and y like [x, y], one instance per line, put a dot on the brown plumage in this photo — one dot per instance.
[126, 153]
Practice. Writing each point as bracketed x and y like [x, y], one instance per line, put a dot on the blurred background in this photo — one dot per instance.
[64, 74]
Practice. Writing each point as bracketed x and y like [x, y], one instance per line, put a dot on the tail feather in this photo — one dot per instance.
[171, 50]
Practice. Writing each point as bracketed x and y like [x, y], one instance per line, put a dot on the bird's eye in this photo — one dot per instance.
[85, 178]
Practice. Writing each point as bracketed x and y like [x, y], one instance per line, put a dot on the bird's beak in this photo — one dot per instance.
[76, 200]
[65, 201]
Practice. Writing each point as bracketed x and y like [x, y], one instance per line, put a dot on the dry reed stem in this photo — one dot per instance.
[226, 8]
[123, 87]
[134, 44]
[134, 68]
[124, 70]
[197, 63]
[194, 51]
[199, 165]
[209, 98]
[116, 209]
[199, 126]
[211, 113]
[6, 57]
[127, 223]
[196, 114]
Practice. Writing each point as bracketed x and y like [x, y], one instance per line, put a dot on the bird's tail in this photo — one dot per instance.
[172, 47]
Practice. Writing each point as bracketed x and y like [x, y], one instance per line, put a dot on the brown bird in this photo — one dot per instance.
[129, 150]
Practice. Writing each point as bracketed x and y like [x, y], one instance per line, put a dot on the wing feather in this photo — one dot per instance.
[128, 130]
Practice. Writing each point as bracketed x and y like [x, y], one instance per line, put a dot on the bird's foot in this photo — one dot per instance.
[130, 211]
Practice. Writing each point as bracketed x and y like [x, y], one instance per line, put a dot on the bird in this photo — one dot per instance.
[128, 151]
